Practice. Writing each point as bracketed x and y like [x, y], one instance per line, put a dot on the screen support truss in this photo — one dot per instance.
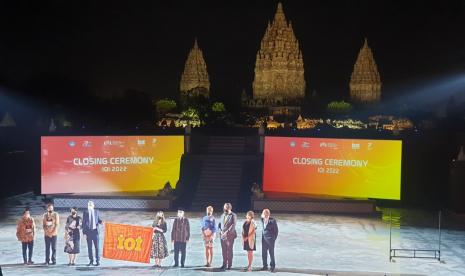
[434, 253]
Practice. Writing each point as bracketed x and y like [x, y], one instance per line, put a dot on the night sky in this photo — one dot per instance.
[112, 46]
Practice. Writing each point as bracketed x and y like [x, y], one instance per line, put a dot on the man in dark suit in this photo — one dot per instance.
[228, 234]
[90, 228]
[269, 235]
[180, 234]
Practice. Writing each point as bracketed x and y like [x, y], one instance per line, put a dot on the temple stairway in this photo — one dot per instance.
[221, 173]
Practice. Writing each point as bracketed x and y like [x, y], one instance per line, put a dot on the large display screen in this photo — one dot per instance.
[335, 167]
[100, 164]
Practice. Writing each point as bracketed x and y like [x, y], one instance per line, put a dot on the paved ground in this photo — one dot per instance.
[307, 244]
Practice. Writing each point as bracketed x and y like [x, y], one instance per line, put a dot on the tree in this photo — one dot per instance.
[165, 105]
[339, 107]
[218, 107]
[191, 115]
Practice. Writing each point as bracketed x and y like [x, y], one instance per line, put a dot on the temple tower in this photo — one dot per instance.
[194, 79]
[365, 83]
[279, 67]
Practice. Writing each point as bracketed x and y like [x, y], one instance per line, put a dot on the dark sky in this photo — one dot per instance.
[112, 46]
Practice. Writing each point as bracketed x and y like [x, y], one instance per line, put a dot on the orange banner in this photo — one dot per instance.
[127, 242]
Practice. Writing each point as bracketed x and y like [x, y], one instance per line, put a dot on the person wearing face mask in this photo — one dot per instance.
[228, 234]
[159, 246]
[180, 234]
[72, 236]
[50, 222]
[269, 236]
[90, 228]
[25, 232]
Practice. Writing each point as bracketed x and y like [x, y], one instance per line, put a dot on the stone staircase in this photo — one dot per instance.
[224, 145]
[221, 173]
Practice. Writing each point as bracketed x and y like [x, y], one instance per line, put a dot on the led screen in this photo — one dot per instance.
[336, 167]
[96, 164]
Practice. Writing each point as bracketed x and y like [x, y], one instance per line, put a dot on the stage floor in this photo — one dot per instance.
[307, 244]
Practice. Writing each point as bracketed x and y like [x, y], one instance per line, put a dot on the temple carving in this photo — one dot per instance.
[279, 68]
[194, 79]
[365, 82]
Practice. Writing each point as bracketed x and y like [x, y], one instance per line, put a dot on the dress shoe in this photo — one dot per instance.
[97, 263]
[53, 263]
[265, 268]
[229, 268]
[90, 263]
[175, 265]
[30, 262]
[272, 269]
[223, 267]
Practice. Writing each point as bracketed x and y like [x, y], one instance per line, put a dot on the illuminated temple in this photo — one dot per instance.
[279, 68]
[194, 79]
[365, 83]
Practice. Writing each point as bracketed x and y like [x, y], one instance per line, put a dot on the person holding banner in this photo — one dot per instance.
[159, 246]
[25, 232]
[50, 222]
[208, 234]
[180, 236]
[72, 236]
[228, 235]
[90, 222]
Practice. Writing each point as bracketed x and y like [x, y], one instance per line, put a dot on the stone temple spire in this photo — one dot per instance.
[279, 67]
[195, 75]
[365, 83]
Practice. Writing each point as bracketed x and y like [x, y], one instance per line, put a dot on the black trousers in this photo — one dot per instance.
[50, 243]
[92, 238]
[268, 247]
[179, 246]
[27, 256]
[227, 246]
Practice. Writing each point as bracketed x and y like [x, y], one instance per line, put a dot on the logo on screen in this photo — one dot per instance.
[292, 144]
[332, 145]
[72, 143]
[370, 146]
[113, 143]
[141, 142]
[323, 145]
[355, 146]
[87, 144]
[305, 145]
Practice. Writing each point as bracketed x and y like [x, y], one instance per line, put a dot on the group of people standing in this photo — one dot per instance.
[88, 223]
[226, 229]
[180, 235]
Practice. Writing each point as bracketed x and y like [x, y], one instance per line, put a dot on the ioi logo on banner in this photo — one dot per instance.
[129, 244]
